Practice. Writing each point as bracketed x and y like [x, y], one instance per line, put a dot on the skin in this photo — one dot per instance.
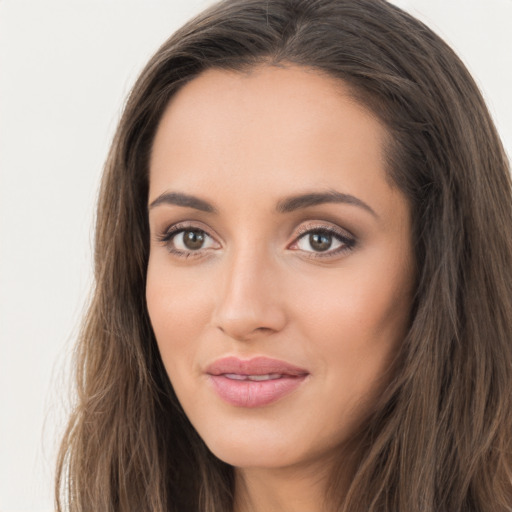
[259, 286]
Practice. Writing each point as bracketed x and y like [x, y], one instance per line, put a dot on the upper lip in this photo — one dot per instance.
[255, 366]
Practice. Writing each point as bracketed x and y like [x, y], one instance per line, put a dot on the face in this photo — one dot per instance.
[280, 276]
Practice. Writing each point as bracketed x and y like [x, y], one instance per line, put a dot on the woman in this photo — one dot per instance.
[303, 276]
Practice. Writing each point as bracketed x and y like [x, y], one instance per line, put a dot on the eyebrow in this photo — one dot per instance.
[290, 204]
[186, 200]
[298, 202]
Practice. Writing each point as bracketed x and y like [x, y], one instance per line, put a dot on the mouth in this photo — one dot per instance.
[254, 378]
[255, 382]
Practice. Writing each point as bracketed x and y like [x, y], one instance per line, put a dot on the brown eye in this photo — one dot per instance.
[320, 241]
[324, 241]
[193, 239]
[188, 240]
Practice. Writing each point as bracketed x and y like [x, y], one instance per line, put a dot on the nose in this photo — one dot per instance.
[250, 302]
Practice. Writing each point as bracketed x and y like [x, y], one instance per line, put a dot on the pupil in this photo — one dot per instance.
[320, 241]
[193, 239]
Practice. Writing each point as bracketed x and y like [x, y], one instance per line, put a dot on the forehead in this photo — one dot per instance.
[281, 128]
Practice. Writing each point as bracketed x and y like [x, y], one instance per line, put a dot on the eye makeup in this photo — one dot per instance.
[313, 239]
[324, 240]
[185, 240]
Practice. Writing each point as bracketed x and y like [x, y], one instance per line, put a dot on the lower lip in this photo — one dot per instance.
[247, 393]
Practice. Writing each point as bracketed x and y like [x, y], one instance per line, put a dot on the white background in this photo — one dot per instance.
[65, 69]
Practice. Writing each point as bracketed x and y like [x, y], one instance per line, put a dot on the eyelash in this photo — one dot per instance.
[348, 241]
[171, 232]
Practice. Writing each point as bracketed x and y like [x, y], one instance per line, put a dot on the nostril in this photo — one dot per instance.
[263, 330]
[247, 334]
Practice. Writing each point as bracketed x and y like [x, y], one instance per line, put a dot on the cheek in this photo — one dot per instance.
[355, 319]
[178, 312]
[355, 305]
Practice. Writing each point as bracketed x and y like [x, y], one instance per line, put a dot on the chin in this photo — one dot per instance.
[245, 451]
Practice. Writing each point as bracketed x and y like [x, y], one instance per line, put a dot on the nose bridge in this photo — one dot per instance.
[248, 302]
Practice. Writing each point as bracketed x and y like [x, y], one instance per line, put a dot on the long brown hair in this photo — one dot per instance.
[440, 437]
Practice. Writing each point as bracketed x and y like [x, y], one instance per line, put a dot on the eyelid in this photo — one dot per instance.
[344, 236]
[166, 236]
[347, 239]
[309, 226]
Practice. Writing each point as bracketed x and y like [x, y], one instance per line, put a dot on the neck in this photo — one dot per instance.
[280, 490]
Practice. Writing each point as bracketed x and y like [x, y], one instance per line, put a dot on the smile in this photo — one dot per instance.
[268, 376]
[254, 383]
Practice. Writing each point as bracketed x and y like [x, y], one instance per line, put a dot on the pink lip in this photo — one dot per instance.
[227, 376]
